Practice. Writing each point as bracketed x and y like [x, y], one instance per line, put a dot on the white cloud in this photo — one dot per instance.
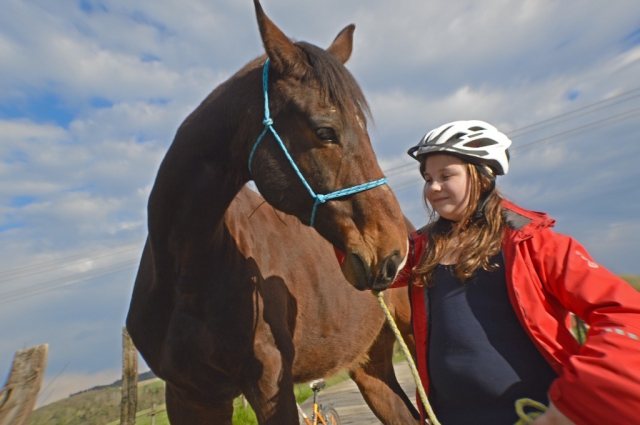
[19, 130]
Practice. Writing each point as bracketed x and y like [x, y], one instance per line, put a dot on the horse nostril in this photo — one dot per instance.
[389, 267]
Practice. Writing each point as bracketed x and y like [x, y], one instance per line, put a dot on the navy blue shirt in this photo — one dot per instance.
[480, 358]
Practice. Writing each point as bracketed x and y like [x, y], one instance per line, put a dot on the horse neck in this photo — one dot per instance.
[205, 166]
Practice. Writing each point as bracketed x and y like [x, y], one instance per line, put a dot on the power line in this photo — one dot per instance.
[390, 171]
[624, 116]
[403, 168]
[582, 109]
[614, 119]
[407, 185]
[9, 274]
[26, 289]
[63, 279]
[62, 263]
[51, 382]
[41, 289]
[48, 266]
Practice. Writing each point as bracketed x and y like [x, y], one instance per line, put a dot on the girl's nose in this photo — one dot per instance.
[431, 188]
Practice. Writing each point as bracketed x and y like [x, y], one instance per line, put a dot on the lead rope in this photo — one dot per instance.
[407, 355]
[525, 418]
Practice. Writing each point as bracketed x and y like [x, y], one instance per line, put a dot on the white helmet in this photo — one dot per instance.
[474, 141]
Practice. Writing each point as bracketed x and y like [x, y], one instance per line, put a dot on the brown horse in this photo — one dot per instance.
[233, 296]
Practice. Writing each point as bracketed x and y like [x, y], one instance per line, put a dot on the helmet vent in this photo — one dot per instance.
[456, 136]
[480, 143]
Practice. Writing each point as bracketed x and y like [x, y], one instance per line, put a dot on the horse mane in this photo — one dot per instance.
[335, 81]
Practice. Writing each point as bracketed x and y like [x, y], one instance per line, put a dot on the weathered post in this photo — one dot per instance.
[153, 414]
[20, 393]
[129, 380]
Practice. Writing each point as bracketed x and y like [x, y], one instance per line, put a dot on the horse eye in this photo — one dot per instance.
[327, 134]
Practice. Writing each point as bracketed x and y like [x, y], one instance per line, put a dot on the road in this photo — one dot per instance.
[350, 405]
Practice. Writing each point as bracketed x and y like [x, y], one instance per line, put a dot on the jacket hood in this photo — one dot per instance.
[525, 222]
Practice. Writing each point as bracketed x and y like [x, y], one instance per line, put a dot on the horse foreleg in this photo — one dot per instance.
[377, 382]
[267, 384]
[272, 401]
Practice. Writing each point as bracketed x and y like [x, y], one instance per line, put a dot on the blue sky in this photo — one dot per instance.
[92, 93]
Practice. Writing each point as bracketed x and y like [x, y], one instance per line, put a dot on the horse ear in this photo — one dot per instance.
[343, 44]
[284, 55]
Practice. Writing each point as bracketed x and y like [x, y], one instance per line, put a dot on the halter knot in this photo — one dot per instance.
[321, 199]
[267, 122]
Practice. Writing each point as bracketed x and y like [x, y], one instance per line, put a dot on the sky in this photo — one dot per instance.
[92, 93]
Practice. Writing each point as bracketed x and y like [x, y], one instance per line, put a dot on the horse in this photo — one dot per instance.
[241, 293]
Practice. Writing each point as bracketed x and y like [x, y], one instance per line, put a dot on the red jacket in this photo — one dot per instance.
[548, 276]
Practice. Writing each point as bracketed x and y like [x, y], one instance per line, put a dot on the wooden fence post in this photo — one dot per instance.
[129, 380]
[20, 393]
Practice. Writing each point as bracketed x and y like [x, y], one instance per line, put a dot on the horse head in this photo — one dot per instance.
[314, 141]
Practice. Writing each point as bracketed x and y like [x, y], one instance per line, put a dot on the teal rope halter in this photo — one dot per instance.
[268, 126]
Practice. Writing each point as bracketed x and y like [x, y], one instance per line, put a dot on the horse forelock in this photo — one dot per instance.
[335, 81]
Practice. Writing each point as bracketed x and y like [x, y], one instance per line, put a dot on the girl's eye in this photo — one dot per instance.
[327, 134]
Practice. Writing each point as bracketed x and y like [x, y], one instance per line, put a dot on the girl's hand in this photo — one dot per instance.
[553, 417]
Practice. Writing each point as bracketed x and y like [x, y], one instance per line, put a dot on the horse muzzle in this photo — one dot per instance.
[364, 276]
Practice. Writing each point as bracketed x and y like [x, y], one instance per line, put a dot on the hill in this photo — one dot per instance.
[632, 280]
[97, 406]
[118, 384]
[100, 405]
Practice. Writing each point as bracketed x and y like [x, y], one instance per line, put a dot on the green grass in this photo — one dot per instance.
[633, 280]
[303, 392]
[243, 415]
[143, 417]
[96, 407]
[102, 406]
[161, 419]
[246, 416]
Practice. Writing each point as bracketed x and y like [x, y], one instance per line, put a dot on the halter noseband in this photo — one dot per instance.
[268, 126]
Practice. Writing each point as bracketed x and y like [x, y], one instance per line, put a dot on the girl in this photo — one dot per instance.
[492, 287]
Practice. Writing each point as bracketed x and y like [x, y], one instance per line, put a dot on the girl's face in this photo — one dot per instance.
[447, 185]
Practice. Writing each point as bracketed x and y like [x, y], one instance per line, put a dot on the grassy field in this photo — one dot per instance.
[245, 416]
[632, 280]
[101, 406]
[96, 407]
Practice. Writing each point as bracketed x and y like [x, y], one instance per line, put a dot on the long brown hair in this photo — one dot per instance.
[478, 238]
